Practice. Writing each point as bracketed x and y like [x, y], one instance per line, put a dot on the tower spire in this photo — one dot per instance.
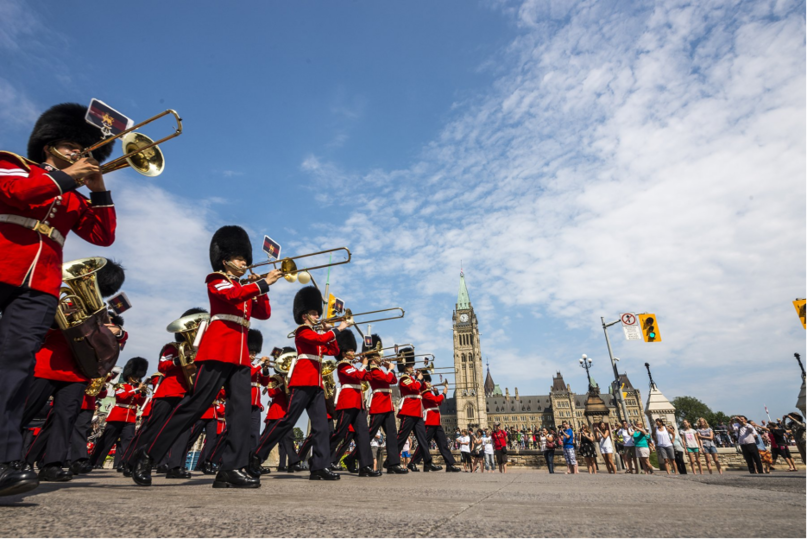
[463, 300]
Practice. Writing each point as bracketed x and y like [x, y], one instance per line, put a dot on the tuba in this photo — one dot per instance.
[188, 327]
[95, 386]
[82, 316]
[283, 362]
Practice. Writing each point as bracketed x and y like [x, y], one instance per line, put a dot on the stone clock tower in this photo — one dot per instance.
[469, 394]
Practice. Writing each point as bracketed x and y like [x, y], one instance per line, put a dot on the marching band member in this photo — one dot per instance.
[145, 412]
[166, 397]
[277, 391]
[305, 383]
[120, 423]
[222, 359]
[212, 422]
[434, 430]
[258, 379]
[350, 407]
[78, 454]
[411, 407]
[39, 206]
[382, 413]
[57, 375]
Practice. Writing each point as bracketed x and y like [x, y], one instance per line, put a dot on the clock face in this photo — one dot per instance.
[463, 318]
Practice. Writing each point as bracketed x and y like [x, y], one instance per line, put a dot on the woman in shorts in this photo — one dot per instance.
[603, 434]
[643, 445]
[405, 453]
[707, 438]
[692, 444]
[587, 449]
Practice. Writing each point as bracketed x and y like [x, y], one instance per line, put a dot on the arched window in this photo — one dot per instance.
[469, 411]
[463, 358]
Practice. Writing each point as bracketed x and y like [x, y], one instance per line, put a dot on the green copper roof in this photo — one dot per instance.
[463, 301]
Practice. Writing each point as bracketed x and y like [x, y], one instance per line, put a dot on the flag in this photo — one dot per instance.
[368, 341]
[338, 306]
[271, 248]
[120, 303]
[107, 119]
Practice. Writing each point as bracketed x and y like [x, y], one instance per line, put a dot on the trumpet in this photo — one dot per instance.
[392, 359]
[139, 151]
[377, 351]
[289, 267]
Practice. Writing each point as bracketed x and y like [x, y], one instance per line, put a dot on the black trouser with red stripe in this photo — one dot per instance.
[114, 431]
[434, 432]
[305, 447]
[302, 398]
[286, 453]
[27, 315]
[285, 445]
[160, 412]
[410, 423]
[176, 456]
[54, 438]
[387, 421]
[210, 377]
[357, 417]
[79, 436]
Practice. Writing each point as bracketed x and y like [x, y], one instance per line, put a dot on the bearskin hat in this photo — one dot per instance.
[193, 310]
[255, 341]
[346, 340]
[229, 242]
[427, 377]
[137, 367]
[376, 342]
[307, 299]
[406, 357]
[65, 122]
[115, 318]
[110, 278]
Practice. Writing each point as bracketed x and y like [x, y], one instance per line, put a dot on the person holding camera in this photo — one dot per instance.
[747, 436]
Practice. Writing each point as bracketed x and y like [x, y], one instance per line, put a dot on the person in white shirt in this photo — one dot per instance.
[465, 450]
[374, 445]
[664, 446]
[487, 441]
[629, 454]
[603, 433]
[746, 439]
[693, 445]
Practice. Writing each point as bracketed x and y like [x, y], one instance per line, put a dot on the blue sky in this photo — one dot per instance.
[578, 159]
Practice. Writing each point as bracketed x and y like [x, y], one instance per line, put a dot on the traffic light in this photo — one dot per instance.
[649, 327]
[799, 305]
[329, 313]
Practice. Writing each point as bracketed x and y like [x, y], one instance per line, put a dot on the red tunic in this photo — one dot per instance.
[311, 346]
[220, 421]
[226, 340]
[431, 408]
[258, 380]
[89, 400]
[173, 383]
[54, 361]
[210, 413]
[410, 406]
[280, 403]
[380, 382]
[28, 190]
[127, 399]
[350, 397]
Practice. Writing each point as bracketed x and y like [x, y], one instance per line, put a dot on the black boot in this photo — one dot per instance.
[452, 468]
[254, 466]
[296, 468]
[412, 468]
[208, 468]
[16, 482]
[281, 468]
[350, 464]
[265, 470]
[177, 473]
[119, 469]
[235, 479]
[431, 467]
[162, 468]
[86, 467]
[141, 471]
[398, 469]
[323, 475]
[76, 467]
[367, 471]
[127, 470]
[55, 472]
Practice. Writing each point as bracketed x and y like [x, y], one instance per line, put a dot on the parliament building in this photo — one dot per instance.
[478, 402]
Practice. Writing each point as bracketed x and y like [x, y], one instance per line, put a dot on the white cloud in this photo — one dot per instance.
[649, 160]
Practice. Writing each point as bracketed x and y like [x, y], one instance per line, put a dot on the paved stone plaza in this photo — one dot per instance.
[524, 503]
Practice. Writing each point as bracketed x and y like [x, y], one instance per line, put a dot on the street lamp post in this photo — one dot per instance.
[585, 362]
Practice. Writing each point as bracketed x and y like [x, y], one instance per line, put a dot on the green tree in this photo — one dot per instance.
[719, 417]
[691, 409]
[298, 435]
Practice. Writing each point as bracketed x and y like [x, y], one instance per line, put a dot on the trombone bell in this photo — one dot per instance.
[149, 162]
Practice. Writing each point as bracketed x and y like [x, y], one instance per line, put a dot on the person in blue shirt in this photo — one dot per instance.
[567, 435]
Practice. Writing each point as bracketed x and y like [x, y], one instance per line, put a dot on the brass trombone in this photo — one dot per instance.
[139, 151]
[349, 317]
[289, 268]
[378, 349]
